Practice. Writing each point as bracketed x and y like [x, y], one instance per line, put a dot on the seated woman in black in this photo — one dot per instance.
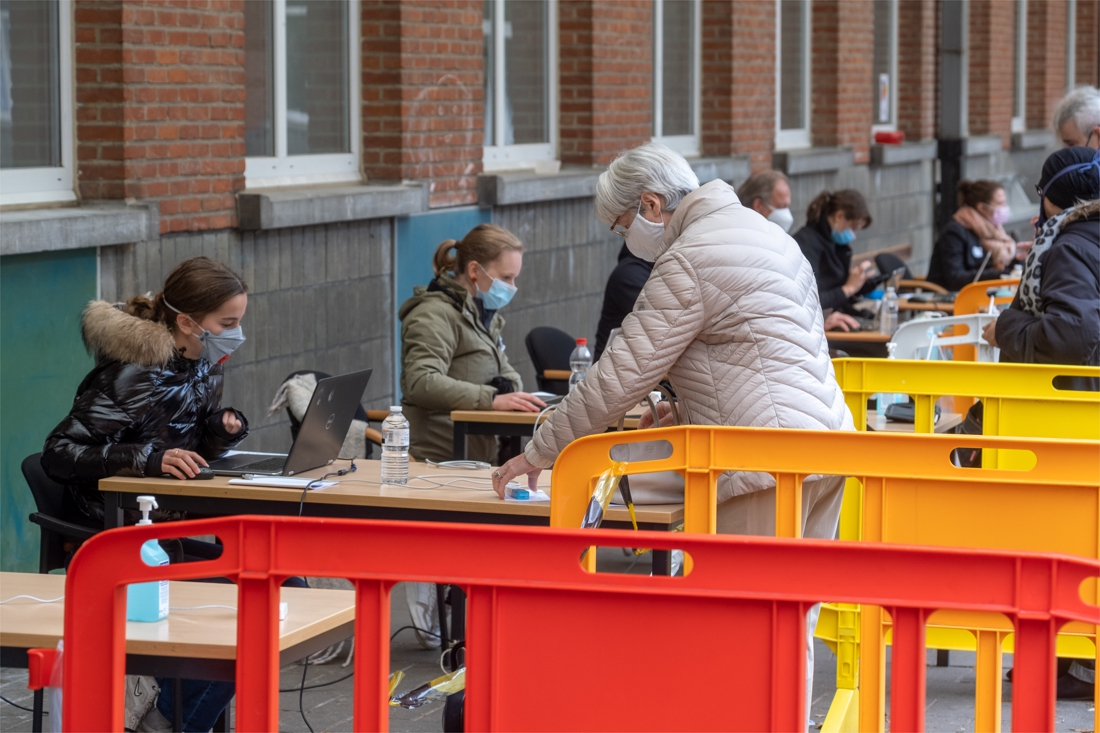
[832, 220]
[975, 239]
[150, 407]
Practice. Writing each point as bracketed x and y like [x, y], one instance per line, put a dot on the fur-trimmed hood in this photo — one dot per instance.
[111, 333]
[1085, 210]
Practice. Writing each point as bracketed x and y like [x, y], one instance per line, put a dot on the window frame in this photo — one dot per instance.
[51, 184]
[499, 157]
[1071, 44]
[283, 169]
[798, 137]
[892, 125]
[687, 145]
[1019, 73]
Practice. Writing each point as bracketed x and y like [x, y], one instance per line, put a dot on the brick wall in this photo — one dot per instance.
[841, 93]
[992, 67]
[1046, 64]
[917, 47]
[606, 78]
[423, 95]
[1088, 42]
[738, 81]
[160, 106]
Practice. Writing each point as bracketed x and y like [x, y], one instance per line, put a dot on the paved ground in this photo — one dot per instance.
[950, 691]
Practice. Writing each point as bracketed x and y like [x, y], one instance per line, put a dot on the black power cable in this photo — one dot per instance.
[17, 705]
[315, 484]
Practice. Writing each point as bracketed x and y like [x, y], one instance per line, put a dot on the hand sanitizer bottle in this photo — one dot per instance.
[148, 601]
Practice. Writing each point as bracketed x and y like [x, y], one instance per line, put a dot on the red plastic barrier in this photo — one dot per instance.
[551, 646]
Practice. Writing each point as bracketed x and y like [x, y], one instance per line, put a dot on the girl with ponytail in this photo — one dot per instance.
[832, 220]
[452, 351]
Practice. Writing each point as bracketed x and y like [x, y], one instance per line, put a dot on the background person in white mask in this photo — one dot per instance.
[768, 193]
[730, 313]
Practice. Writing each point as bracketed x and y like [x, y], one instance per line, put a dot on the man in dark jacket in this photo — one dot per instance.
[622, 290]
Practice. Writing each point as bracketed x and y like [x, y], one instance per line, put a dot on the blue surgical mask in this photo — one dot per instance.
[845, 237]
[498, 295]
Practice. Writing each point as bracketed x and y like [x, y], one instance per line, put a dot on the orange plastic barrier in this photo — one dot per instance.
[974, 298]
[526, 586]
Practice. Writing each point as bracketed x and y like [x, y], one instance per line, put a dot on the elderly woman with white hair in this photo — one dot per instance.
[730, 313]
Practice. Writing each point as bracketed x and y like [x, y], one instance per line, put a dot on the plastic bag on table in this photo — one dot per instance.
[601, 497]
[434, 690]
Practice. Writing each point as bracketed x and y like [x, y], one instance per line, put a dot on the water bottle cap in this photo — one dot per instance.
[395, 408]
[875, 295]
[582, 342]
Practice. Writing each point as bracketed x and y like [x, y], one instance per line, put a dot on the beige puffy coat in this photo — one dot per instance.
[731, 314]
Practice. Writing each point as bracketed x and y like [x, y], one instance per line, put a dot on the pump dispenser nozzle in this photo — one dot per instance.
[146, 504]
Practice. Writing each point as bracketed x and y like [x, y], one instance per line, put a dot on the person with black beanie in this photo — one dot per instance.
[1055, 316]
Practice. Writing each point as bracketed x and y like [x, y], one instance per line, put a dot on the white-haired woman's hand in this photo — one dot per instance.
[514, 468]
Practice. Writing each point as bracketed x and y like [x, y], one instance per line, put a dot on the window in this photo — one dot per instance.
[520, 63]
[301, 100]
[36, 146]
[884, 72]
[792, 74]
[1071, 44]
[676, 60]
[1019, 87]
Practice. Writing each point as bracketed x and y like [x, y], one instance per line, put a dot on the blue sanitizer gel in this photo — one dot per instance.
[148, 601]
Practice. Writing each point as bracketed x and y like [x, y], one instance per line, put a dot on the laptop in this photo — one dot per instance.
[324, 426]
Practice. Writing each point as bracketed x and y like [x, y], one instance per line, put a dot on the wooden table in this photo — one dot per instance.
[199, 644]
[863, 337]
[508, 424]
[908, 305]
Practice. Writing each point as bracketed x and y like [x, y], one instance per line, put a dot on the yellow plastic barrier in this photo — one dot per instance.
[1020, 400]
[912, 495]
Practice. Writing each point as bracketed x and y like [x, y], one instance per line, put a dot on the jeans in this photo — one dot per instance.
[203, 702]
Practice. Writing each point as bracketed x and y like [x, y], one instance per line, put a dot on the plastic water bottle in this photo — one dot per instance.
[148, 601]
[395, 447]
[579, 362]
[888, 320]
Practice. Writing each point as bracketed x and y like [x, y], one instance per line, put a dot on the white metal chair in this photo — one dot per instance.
[924, 339]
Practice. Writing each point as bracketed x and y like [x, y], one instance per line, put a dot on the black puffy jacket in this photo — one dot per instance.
[830, 262]
[956, 258]
[141, 399]
[1068, 329]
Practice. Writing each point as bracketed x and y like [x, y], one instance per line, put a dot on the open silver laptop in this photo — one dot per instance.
[324, 426]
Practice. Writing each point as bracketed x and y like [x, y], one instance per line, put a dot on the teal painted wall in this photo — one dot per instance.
[417, 237]
[42, 360]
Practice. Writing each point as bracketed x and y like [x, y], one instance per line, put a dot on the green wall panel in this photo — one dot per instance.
[42, 360]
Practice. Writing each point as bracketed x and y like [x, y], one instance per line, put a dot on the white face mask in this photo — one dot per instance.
[645, 238]
[782, 217]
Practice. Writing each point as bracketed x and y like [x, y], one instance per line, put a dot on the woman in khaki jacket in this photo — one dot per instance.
[452, 353]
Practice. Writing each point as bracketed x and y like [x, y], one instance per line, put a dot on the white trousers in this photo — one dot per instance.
[754, 514]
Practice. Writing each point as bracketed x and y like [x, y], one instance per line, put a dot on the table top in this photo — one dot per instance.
[908, 305]
[873, 337]
[879, 423]
[208, 633]
[364, 488]
[528, 418]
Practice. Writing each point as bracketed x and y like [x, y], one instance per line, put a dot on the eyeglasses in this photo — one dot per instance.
[1039, 191]
[619, 229]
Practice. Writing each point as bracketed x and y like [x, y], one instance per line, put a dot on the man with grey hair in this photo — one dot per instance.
[768, 193]
[1077, 118]
[731, 315]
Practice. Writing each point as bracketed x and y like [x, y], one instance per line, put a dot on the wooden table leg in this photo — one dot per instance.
[112, 510]
[36, 714]
[461, 430]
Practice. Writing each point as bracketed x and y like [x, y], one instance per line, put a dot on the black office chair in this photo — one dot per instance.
[61, 532]
[549, 348]
[373, 436]
[887, 263]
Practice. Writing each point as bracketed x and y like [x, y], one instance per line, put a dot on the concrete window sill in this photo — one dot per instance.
[983, 145]
[885, 155]
[1032, 140]
[812, 160]
[528, 187]
[90, 225]
[279, 208]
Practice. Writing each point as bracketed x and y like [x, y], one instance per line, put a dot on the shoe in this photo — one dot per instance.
[154, 722]
[424, 612]
[1071, 688]
[141, 696]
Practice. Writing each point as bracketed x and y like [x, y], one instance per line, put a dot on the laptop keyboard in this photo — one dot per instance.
[265, 465]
